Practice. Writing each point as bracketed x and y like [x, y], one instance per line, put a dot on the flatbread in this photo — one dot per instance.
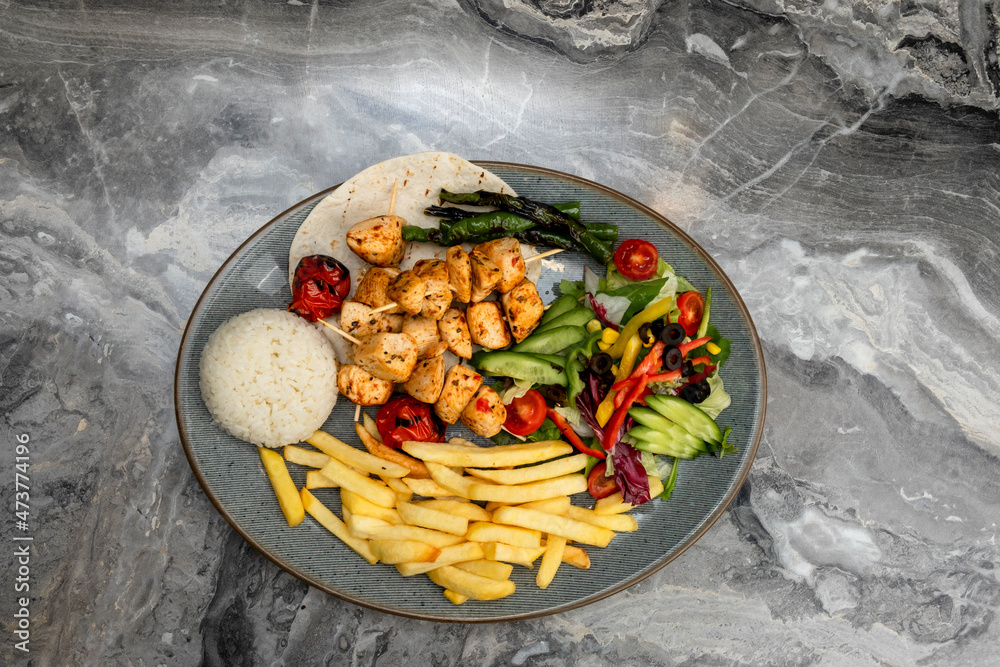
[419, 178]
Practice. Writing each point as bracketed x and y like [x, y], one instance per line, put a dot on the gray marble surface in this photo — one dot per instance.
[839, 160]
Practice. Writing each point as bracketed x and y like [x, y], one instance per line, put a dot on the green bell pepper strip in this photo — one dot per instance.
[703, 327]
[574, 384]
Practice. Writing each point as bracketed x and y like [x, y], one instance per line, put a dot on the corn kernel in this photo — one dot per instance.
[604, 347]
[593, 325]
[713, 348]
[609, 336]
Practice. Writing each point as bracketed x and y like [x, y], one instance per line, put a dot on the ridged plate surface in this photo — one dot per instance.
[231, 474]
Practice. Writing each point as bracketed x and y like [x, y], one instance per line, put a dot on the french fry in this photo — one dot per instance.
[620, 523]
[362, 506]
[371, 426]
[376, 492]
[552, 524]
[556, 468]
[305, 457]
[500, 456]
[376, 448]
[329, 520]
[470, 585]
[316, 480]
[492, 505]
[362, 461]
[524, 493]
[403, 551]
[576, 557]
[402, 491]
[491, 569]
[470, 511]
[427, 488]
[449, 479]
[554, 548]
[614, 504]
[457, 553]
[483, 531]
[284, 488]
[367, 527]
[426, 517]
[454, 597]
[558, 505]
[346, 513]
[511, 554]
[462, 441]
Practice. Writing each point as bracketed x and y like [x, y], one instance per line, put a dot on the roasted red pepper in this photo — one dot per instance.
[571, 435]
[405, 418]
[319, 288]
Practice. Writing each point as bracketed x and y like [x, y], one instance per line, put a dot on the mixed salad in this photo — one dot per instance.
[626, 367]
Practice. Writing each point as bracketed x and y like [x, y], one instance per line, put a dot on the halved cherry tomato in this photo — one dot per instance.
[405, 418]
[526, 413]
[692, 307]
[599, 485]
[636, 259]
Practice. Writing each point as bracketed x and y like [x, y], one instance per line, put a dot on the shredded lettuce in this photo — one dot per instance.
[718, 399]
[516, 390]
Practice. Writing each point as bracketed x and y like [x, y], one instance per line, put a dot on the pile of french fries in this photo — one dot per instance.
[463, 515]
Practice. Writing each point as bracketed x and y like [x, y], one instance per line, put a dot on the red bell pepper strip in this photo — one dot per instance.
[571, 435]
[700, 360]
[617, 419]
[669, 376]
[651, 362]
[693, 345]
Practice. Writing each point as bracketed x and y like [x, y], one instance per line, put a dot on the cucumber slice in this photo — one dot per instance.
[573, 318]
[663, 448]
[689, 416]
[519, 366]
[675, 438]
[555, 359]
[551, 341]
[560, 306]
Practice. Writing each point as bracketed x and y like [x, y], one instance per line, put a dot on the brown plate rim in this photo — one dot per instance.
[628, 583]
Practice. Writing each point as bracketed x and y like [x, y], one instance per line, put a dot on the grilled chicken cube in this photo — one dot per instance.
[486, 325]
[454, 330]
[437, 290]
[358, 320]
[390, 324]
[407, 290]
[361, 387]
[524, 309]
[388, 356]
[436, 349]
[460, 384]
[378, 241]
[372, 288]
[459, 273]
[423, 331]
[485, 414]
[427, 380]
[506, 254]
[485, 276]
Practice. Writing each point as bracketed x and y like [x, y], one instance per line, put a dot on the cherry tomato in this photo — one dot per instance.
[405, 418]
[599, 485]
[526, 414]
[692, 307]
[319, 288]
[636, 259]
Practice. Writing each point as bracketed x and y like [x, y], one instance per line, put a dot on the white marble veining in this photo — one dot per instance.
[839, 160]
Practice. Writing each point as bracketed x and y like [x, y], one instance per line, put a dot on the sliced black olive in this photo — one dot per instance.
[646, 335]
[672, 359]
[601, 363]
[554, 394]
[657, 327]
[688, 369]
[672, 334]
[695, 393]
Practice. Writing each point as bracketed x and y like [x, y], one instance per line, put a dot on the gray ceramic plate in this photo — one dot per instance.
[230, 471]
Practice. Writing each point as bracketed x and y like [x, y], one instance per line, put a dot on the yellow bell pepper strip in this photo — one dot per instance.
[607, 406]
[652, 313]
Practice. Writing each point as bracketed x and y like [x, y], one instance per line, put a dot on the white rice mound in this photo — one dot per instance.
[269, 377]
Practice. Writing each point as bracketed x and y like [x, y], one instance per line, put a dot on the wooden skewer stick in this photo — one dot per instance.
[392, 201]
[542, 255]
[388, 306]
[357, 412]
[342, 333]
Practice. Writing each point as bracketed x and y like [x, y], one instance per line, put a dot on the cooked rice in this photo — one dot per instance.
[269, 377]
